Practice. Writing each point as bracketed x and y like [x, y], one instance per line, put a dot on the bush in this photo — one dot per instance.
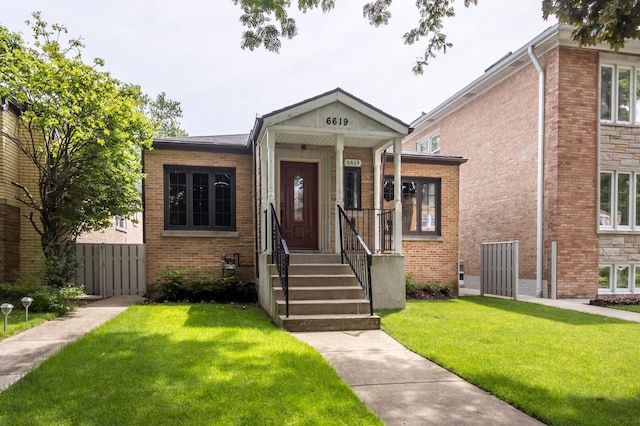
[191, 286]
[428, 290]
[615, 300]
[59, 300]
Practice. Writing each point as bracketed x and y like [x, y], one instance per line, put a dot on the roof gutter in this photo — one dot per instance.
[540, 183]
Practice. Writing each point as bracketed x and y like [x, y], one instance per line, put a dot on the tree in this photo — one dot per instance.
[83, 132]
[596, 21]
[163, 113]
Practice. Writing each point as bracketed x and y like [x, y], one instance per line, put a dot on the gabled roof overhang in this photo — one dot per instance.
[511, 63]
[280, 122]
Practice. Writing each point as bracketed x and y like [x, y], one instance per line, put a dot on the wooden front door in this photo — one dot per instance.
[299, 204]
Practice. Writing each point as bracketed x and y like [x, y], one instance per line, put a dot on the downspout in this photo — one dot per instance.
[540, 185]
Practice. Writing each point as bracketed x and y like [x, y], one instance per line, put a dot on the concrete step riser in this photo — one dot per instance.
[297, 258]
[325, 308]
[310, 269]
[321, 294]
[331, 324]
[318, 281]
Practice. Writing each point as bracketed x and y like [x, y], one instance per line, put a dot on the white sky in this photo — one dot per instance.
[190, 49]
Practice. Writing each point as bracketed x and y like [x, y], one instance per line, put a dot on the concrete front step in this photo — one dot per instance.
[317, 281]
[300, 323]
[324, 307]
[315, 269]
[326, 292]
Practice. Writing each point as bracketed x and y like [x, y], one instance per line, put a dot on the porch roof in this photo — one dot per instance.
[378, 132]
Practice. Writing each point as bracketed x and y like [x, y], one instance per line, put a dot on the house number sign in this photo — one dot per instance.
[337, 121]
[352, 163]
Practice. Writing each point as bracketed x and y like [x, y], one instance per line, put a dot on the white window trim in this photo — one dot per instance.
[633, 199]
[615, 65]
[633, 286]
[121, 223]
[428, 142]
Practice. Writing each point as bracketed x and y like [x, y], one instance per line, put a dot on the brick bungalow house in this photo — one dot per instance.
[219, 197]
[552, 134]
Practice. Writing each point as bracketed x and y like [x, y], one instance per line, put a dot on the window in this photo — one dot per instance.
[121, 223]
[619, 200]
[420, 204]
[352, 188]
[619, 279]
[199, 198]
[620, 93]
[430, 144]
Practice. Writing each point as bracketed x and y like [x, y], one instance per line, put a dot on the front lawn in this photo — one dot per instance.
[198, 364]
[563, 367]
[630, 308]
[17, 321]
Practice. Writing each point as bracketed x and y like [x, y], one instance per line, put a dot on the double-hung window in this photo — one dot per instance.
[420, 204]
[620, 93]
[199, 198]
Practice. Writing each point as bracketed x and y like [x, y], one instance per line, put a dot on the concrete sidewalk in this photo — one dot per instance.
[403, 388]
[24, 351]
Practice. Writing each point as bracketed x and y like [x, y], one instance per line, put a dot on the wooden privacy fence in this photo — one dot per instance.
[112, 269]
[499, 269]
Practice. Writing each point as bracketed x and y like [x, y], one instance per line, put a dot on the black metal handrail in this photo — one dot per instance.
[280, 256]
[358, 255]
[372, 223]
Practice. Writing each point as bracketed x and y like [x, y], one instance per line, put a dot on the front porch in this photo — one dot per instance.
[312, 161]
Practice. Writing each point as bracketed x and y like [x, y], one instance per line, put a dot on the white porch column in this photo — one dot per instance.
[271, 182]
[397, 194]
[377, 174]
[339, 187]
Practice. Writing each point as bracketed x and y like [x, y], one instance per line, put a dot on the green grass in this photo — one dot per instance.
[16, 321]
[199, 364]
[563, 367]
[630, 308]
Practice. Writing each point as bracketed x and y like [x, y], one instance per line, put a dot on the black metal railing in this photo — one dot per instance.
[371, 223]
[356, 252]
[280, 256]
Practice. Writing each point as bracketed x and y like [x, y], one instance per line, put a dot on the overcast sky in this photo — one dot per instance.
[190, 50]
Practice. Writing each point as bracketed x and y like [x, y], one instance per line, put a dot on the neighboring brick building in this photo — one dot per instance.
[590, 125]
[206, 197]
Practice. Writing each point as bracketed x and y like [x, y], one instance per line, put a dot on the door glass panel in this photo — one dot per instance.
[298, 198]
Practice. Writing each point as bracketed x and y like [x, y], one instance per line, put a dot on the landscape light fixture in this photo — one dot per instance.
[6, 310]
[26, 302]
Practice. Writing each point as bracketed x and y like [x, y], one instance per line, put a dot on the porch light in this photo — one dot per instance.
[6, 310]
[26, 302]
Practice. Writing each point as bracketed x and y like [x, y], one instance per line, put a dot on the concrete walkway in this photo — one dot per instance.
[403, 388]
[24, 351]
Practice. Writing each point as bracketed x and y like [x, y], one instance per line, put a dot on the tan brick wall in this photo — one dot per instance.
[197, 252]
[429, 258]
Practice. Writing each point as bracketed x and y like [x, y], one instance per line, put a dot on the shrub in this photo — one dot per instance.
[59, 300]
[192, 286]
[615, 300]
[428, 290]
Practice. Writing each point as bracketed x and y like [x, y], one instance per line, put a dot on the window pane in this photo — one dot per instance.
[604, 279]
[177, 198]
[637, 279]
[409, 207]
[388, 191]
[223, 200]
[352, 189]
[200, 199]
[428, 207]
[622, 277]
[624, 95]
[624, 183]
[435, 144]
[298, 199]
[605, 199]
[606, 83]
